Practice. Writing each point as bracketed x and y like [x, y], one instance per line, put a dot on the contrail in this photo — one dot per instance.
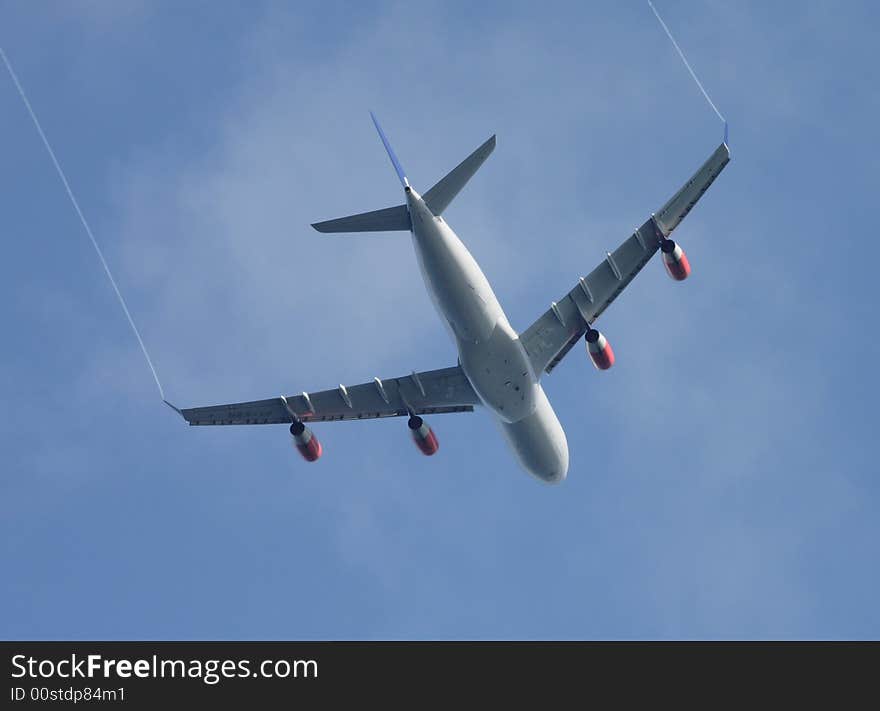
[687, 64]
[82, 219]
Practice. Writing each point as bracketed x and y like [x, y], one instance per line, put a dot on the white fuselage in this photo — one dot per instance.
[490, 351]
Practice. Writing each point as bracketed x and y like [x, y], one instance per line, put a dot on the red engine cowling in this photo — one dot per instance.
[306, 442]
[423, 436]
[599, 349]
[675, 260]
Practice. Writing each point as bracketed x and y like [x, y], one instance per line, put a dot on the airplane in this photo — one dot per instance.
[498, 369]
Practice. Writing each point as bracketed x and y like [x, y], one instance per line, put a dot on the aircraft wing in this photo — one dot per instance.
[434, 391]
[549, 338]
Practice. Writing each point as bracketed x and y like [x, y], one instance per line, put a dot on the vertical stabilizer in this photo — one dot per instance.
[396, 163]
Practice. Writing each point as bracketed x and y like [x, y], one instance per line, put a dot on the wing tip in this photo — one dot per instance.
[176, 409]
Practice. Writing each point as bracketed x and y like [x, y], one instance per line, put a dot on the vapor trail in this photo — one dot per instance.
[82, 218]
[687, 64]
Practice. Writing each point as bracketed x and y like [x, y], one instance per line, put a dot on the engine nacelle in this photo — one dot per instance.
[423, 436]
[675, 260]
[305, 441]
[599, 349]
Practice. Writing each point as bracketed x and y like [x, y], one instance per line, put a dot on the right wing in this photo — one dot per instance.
[549, 338]
[434, 391]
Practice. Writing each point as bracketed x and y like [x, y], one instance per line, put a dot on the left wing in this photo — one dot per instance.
[552, 336]
[434, 391]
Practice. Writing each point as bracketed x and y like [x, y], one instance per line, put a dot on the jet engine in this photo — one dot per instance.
[599, 349]
[305, 441]
[675, 260]
[423, 436]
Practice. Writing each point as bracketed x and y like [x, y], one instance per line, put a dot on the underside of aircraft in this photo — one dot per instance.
[498, 369]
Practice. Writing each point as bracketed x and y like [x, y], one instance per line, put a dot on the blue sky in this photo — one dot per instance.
[723, 482]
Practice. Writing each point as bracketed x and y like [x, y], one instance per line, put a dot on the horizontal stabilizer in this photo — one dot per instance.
[390, 219]
[438, 198]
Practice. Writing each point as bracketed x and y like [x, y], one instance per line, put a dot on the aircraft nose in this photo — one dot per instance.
[555, 467]
[547, 465]
[539, 442]
[557, 472]
[555, 477]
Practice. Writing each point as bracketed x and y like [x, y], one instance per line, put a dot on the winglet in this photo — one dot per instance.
[176, 409]
[396, 163]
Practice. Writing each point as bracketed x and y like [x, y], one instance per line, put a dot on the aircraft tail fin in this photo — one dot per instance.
[390, 219]
[438, 198]
[443, 193]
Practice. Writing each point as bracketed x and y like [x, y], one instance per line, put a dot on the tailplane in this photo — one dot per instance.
[390, 219]
[438, 198]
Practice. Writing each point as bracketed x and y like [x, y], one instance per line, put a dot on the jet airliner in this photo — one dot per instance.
[498, 368]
